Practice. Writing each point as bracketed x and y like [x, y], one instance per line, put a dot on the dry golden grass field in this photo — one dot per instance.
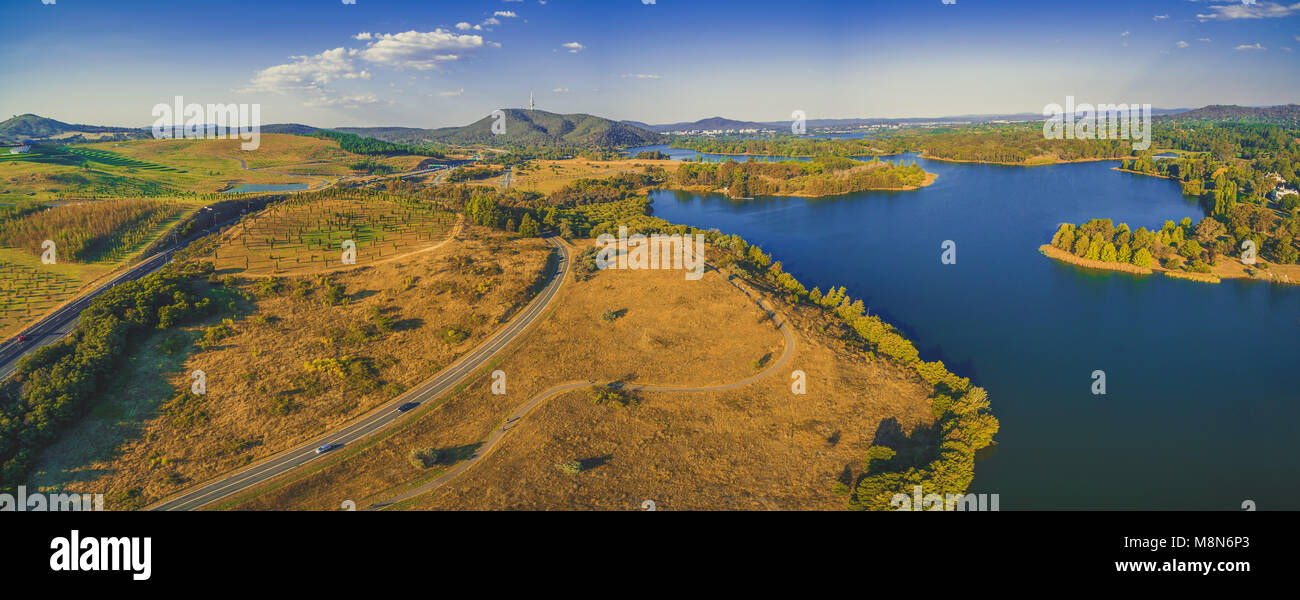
[291, 367]
[756, 447]
[546, 176]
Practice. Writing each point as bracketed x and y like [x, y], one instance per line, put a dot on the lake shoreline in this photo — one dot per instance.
[1218, 276]
[930, 178]
[1022, 164]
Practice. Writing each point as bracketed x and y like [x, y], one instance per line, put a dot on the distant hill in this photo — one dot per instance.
[542, 128]
[709, 124]
[528, 127]
[397, 135]
[722, 123]
[36, 127]
[1285, 114]
[290, 129]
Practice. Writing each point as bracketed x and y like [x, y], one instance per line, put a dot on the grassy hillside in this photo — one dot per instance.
[29, 126]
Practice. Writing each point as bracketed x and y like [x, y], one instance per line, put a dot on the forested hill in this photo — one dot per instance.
[30, 126]
[541, 128]
[1285, 114]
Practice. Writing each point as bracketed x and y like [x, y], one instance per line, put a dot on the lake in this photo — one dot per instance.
[1202, 397]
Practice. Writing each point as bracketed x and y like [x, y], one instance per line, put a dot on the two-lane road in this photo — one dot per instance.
[379, 418]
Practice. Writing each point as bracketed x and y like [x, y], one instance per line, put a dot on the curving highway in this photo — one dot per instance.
[381, 417]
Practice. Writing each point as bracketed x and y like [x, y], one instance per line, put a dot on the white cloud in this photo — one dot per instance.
[1203, 39]
[1246, 47]
[312, 75]
[561, 90]
[1159, 17]
[452, 93]
[573, 47]
[509, 14]
[1261, 10]
[421, 50]
[308, 72]
[463, 26]
[1125, 34]
[354, 101]
[639, 76]
[1182, 44]
[491, 21]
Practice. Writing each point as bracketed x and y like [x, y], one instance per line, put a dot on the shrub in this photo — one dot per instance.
[212, 335]
[604, 394]
[454, 335]
[383, 322]
[423, 458]
[572, 467]
[283, 405]
[271, 286]
[357, 372]
[174, 344]
[185, 410]
[334, 293]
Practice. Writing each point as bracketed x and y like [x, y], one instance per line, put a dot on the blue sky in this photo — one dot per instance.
[432, 63]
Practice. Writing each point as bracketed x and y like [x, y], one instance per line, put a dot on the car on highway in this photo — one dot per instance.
[23, 338]
[407, 406]
[327, 447]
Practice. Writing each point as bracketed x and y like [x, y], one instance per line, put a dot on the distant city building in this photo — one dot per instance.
[20, 149]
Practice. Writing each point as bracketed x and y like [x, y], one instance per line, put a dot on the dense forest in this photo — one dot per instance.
[1240, 172]
[85, 231]
[351, 142]
[1013, 144]
[787, 146]
[822, 176]
[1182, 245]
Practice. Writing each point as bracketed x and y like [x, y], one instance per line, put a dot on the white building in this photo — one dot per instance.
[23, 149]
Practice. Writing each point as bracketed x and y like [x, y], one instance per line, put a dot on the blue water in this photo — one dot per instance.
[684, 154]
[266, 187]
[1202, 398]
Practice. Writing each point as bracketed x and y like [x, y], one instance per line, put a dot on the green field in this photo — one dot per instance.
[76, 157]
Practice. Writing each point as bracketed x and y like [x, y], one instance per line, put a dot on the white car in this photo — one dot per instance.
[327, 448]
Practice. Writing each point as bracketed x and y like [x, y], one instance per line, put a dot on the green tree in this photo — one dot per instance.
[1142, 258]
[527, 226]
[1081, 246]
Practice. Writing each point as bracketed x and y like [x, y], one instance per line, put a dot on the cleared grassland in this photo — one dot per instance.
[294, 364]
[306, 233]
[546, 176]
[758, 446]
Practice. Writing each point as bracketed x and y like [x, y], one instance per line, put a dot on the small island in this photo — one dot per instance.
[822, 176]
